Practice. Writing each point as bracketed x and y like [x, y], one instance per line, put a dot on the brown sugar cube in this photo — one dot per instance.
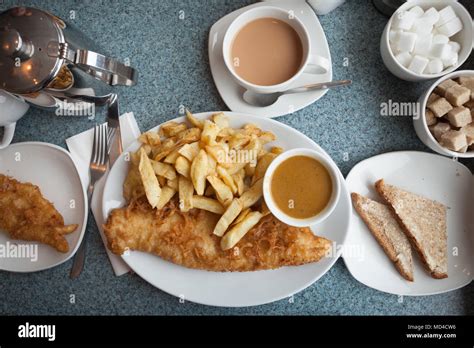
[432, 98]
[453, 140]
[469, 131]
[439, 129]
[468, 82]
[440, 107]
[462, 80]
[460, 116]
[464, 149]
[430, 118]
[444, 86]
[458, 95]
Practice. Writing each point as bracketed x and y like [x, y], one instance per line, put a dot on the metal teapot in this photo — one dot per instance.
[49, 63]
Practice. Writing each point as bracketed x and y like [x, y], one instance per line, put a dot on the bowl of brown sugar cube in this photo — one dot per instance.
[446, 119]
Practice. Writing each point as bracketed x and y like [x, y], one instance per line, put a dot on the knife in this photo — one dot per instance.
[115, 135]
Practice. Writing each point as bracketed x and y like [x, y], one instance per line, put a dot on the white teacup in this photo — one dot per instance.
[312, 63]
[11, 110]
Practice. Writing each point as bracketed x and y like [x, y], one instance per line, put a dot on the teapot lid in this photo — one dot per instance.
[30, 44]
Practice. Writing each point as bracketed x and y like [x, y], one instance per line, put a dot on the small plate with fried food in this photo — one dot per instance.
[43, 207]
[186, 211]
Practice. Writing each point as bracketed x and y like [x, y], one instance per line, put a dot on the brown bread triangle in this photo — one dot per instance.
[424, 222]
[386, 230]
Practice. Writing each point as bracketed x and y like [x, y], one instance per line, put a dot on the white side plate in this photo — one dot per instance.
[52, 169]
[434, 177]
[234, 289]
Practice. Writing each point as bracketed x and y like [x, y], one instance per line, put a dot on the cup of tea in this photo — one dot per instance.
[11, 110]
[268, 49]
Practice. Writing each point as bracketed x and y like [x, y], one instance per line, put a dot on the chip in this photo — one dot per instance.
[183, 167]
[193, 120]
[150, 181]
[189, 151]
[171, 129]
[208, 204]
[199, 171]
[209, 132]
[253, 195]
[186, 192]
[238, 231]
[231, 213]
[163, 169]
[223, 192]
[166, 194]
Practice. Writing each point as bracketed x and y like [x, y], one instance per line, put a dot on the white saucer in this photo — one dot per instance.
[52, 169]
[432, 176]
[231, 92]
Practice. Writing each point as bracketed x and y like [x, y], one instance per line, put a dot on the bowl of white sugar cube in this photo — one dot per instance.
[445, 121]
[427, 39]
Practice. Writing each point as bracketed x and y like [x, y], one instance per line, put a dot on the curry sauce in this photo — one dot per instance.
[301, 187]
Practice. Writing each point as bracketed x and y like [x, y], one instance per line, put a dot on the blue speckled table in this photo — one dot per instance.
[171, 55]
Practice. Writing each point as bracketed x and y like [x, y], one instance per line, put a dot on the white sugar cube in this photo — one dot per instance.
[403, 20]
[393, 35]
[440, 39]
[440, 51]
[417, 11]
[451, 59]
[432, 15]
[423, 45]
[406, 41]
[435, 66]
[404, 59]
[451, 28]
[445, 15]
[418, 64]
[394, 48]
[455, 46]
[422, 26]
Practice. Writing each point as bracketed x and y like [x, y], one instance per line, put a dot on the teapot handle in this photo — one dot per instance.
[103, 68]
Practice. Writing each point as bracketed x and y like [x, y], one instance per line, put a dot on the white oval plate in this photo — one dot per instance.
[52, 169]
[231, 92]
[432, 176]
[234, 289]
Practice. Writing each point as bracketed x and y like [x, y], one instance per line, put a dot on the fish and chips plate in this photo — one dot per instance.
[186, 212]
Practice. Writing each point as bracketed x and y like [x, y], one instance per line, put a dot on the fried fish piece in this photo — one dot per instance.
[186, 239]
[25, 214]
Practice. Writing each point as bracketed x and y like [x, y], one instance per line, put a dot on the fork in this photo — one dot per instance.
[97, 168]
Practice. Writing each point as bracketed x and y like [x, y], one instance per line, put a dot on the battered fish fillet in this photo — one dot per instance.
[25, 214]
[186, 239]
